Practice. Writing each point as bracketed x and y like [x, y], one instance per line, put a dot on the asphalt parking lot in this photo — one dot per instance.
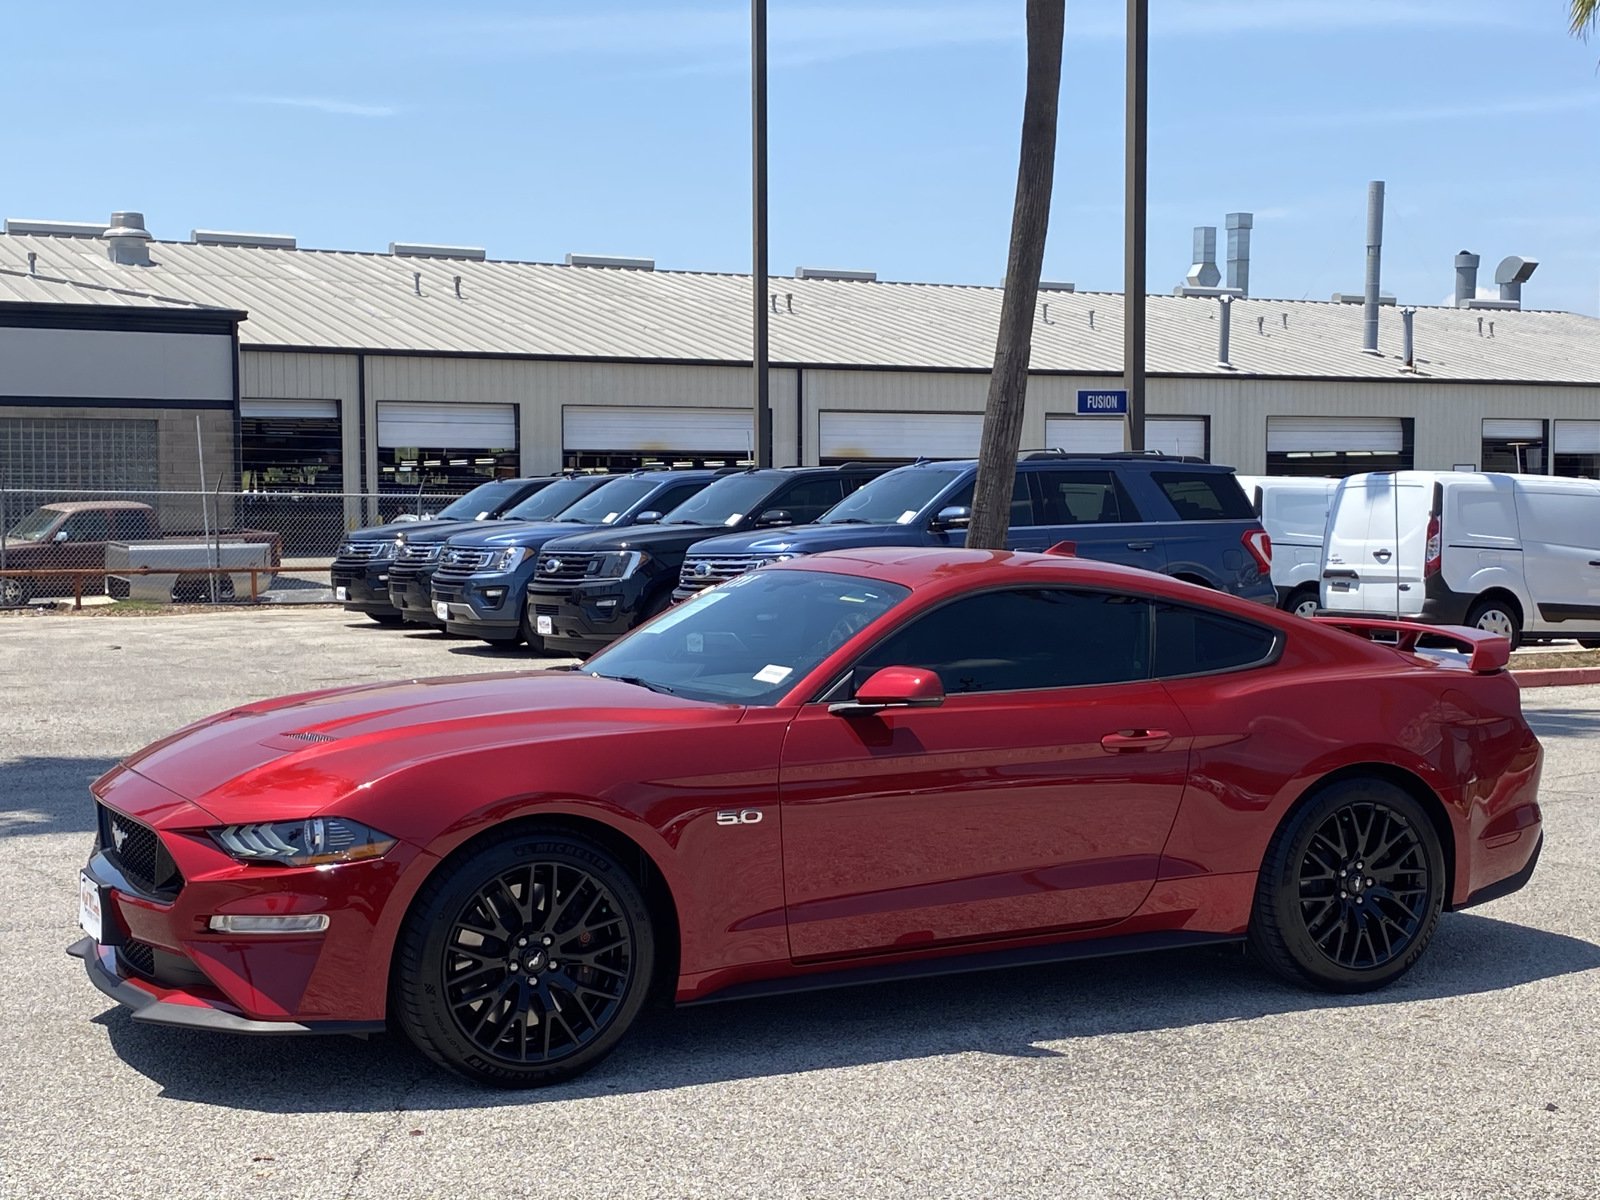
[1188, 1074]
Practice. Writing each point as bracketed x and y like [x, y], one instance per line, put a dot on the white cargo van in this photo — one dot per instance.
[1294, 512]
[1517, 554]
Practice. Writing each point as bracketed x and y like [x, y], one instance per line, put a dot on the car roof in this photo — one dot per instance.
[72, 506]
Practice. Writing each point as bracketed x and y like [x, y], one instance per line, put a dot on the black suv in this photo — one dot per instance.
[361, 565]
[481, 585]
[417, 550]
[591, 589]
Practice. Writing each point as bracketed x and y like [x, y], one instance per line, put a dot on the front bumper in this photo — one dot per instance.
[590, 616]
[366, 587]
[411, 593]
[485, 605]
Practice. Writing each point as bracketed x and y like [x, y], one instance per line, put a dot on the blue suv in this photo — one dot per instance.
[1179, 516]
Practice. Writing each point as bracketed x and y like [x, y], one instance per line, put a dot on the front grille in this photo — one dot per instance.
[413, 556]
[463, 558]
[704, 572]
[546, 610]
[136, 851]
[359, 551]
[139, 956]
[564, 568]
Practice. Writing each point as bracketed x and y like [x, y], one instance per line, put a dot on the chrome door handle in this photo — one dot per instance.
[1136, 739]
[1141, 545]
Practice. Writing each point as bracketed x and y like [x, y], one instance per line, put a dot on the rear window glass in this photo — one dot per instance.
[1204, 495]
[1190, 641]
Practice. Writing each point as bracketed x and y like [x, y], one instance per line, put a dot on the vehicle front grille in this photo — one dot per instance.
[704, 572]
[136, 851]
[464, 558]
[139, 956]
[564, 568]
[546, 610]
[359, 551]
[416, 556]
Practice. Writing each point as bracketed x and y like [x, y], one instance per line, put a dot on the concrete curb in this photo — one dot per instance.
[1557, 677]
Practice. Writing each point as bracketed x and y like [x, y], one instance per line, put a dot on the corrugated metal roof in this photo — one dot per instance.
[346, 300]
[19, 287]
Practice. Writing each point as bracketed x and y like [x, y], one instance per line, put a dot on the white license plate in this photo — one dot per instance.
[442, 611]
[90, 917]
[341, 593]
[544, 626]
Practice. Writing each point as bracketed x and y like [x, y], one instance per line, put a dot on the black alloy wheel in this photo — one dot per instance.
[526, 963]
[1351, 889]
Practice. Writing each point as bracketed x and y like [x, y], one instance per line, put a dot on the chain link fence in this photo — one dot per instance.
[57, 542]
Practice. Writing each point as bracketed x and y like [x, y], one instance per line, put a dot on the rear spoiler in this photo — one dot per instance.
[1486, 652]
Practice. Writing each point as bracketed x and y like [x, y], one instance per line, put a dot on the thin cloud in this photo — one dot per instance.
[323, 104]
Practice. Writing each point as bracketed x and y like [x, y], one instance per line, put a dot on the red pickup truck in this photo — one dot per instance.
[73, 534]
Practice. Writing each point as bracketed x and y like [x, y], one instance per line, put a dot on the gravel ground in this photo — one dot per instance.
[1175, 1075]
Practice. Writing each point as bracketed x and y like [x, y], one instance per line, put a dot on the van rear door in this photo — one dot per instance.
[1377, 540]
[1560, 522]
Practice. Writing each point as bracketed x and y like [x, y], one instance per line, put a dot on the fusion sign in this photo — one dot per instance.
[1103, 404]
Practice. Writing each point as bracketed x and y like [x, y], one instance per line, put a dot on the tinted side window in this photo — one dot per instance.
[1084, 498]
[1190, 641]
[671, 497]
[88, 527]
[1021, 501]
[809, 499]
[1204, 495]
[1023, 639]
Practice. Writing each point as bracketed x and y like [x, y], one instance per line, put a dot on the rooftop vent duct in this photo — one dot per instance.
[1369, 322]
[1511, 274]
[425, 250]
[835, 273]
[611, 260]
[1239, 227]
[86, 229]
[220, 237]
[1046, 285]
[1204, 273]
[128, 241]
[1385, 299]
[1466, 278]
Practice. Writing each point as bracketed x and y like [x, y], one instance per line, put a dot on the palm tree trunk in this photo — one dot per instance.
[1030, 222]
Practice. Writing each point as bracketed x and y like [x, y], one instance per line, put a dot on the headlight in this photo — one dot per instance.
[308, 843]
[619, 565]
[775, 558]
[345, 550]
[384, 550]
[509, 559]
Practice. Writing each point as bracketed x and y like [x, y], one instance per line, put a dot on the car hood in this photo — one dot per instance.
[277, 758]
[641, 537]
[518, 533]
[812, 539]
[425, 533]
[385, 533]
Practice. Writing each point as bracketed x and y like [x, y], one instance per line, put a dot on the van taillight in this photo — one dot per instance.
[1260, 546]
[1431, 556]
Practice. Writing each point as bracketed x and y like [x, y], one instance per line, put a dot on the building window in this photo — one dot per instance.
[1514, 446]
[63, 453]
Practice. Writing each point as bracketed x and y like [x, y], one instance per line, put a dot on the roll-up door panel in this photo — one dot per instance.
[1577, 437]
[299, 409]
[900, 435]
[1084, 435]
[1176, 435]
[586, 428]
[452, 426]
[1372, 435]
[1516, 428]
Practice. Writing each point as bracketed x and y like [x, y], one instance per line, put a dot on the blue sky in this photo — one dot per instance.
[617, 126]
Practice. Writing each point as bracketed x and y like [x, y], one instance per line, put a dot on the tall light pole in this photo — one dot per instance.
[1133, 273]
[758, 271]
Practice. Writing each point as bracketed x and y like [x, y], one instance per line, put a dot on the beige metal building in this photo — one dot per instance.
[433, 366]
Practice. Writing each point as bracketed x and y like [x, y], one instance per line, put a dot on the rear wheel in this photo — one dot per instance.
[1303, 602]
[1495, 614]
[524, 963]
[1351, 889]
[1589, 643]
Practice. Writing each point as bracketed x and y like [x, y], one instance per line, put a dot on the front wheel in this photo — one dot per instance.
[1303, 602]
[1494, 615]
[14, 592]
[1350, 890]
[524, 963]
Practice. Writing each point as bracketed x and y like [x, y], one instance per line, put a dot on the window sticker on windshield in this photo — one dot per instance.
[773, 674]
[609, 517]
[735, 519]
[684, 611]
[695, 643]
[906, 517]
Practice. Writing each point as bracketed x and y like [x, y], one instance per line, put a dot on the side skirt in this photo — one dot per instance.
[964, 964]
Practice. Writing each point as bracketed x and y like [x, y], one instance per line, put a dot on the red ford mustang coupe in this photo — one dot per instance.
[858, 765]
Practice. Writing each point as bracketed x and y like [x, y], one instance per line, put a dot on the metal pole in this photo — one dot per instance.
[1133, 274]
[205, 517]
[759, 273]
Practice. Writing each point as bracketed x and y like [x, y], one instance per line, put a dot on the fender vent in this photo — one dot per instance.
[309, 736]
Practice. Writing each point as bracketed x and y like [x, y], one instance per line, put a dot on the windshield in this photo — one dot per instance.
[749, 640]
[482, 501]
[34, 526]
[604, 505]
[892, 499]
[726, 502]
[557, 498]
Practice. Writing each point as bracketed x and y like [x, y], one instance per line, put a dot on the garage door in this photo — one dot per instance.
[1578, 437]
[1518, 429]
[656, 429]
[899, 435]
[1365, 435]
[457, 426]
[293, 409]
[1103, 435]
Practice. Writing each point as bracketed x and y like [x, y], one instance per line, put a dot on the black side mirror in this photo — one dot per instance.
[954, 516]
[648, 517]
[776, 516]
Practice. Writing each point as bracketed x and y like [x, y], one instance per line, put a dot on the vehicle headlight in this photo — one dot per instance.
[509, 559]
[384, 550]
[308, 843]
[619, 565]
[345, 550]
[773, 558]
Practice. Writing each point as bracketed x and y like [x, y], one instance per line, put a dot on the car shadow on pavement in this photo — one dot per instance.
[1564, 722]
[1016, 1013]
[46, 794]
